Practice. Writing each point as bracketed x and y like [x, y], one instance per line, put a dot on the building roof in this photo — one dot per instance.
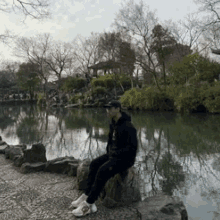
[216, 51]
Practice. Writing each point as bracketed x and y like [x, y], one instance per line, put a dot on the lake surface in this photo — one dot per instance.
[179, 155]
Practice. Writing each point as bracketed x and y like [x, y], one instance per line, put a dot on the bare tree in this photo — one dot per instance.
[138, 21]
[36, 50]
[59, 59]
[86, 53]
[36, 9]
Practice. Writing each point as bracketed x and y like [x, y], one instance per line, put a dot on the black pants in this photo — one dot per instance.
[100, 171]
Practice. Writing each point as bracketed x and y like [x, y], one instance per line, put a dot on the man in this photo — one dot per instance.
[121, 153]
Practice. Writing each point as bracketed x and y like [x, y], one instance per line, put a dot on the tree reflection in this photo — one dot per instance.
[172, 173]
[28, 126]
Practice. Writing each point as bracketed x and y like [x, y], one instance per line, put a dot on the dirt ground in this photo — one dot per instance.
[41, 195]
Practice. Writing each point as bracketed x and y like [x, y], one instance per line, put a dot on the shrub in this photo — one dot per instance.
[99, 90]
[149, 98]
[74, 99]
[41, 99]
[73, 83]
[189, 99]
[212, 98]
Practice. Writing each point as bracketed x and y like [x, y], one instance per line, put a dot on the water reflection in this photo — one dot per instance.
[178, 155]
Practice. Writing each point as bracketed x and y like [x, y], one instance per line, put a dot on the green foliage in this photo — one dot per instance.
[148, 98]
[188, 99]
[99, 90]
[28, 77]
[41, 98]
[72, 83]
[103, 81]
[75, 98]
[212, 98]
[181, 71]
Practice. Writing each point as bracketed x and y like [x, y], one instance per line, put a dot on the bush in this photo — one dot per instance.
[73, 83]
[41, 99]
[74, 99]
[212, 98]
[149, 98]
[99, 91]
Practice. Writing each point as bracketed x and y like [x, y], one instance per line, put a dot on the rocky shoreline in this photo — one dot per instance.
[121, 192]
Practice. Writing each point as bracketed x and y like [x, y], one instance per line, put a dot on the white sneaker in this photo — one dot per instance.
[77, 202]
[84, 209]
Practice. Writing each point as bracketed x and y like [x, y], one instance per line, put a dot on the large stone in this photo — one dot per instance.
[2, 148]
[162, 207]
[32, 167]
[18, 160]
[61, 165]
[36, 154]
[11, 151]
[122, 189]
[82, 174]
[2, 142]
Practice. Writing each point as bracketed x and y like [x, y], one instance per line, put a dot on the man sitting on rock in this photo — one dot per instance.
[121, 153]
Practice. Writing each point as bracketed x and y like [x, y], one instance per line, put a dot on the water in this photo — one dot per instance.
[179, 155]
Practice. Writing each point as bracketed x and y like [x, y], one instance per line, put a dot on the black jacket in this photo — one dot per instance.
[122, 140]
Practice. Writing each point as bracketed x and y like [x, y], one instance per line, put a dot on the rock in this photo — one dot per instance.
[73, 169]
[82, 174]
[32, 167]
[13, 150]
[123, 189]
[2, 143]
[0, 138]
[2, 148]
[62, 165]
[18, 160]
[162, 207]
[36, 154]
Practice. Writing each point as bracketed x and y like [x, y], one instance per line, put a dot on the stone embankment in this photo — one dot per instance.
[33, 188]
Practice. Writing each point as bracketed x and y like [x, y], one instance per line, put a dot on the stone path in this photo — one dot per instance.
[38, 196]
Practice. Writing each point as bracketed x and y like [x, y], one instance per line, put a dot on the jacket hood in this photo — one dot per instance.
[124, 117]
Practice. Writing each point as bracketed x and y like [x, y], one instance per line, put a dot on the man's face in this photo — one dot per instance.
[112, 112]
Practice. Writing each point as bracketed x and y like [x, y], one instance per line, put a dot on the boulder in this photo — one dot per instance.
[2, 148]
[2, 142]
[32, 167]
[13, 150]
[18, 160]
[61, 165]
[122, 189]
[82, 174]
[36, 154]
[162, 206]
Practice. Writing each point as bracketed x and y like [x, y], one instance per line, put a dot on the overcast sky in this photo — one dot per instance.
[71, 17]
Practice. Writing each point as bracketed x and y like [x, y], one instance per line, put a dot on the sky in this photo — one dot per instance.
[73, 17]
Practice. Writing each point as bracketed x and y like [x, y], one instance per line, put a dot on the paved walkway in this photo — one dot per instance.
[38, 196]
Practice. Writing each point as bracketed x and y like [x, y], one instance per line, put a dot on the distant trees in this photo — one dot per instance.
[28, 77]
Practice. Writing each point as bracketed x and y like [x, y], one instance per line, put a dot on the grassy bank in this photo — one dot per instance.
[203, 97]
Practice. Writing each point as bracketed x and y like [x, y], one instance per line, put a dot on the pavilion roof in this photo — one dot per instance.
[216, 51]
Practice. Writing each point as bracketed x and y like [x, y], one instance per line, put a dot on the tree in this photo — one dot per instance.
[36, 51]
[35, 9]
[163, 44]
[85, 54]
[137, 21]
[113, 47]
[28, 77]
[59, 59]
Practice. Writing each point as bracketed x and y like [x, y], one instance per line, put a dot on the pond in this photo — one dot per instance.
[179, 155]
